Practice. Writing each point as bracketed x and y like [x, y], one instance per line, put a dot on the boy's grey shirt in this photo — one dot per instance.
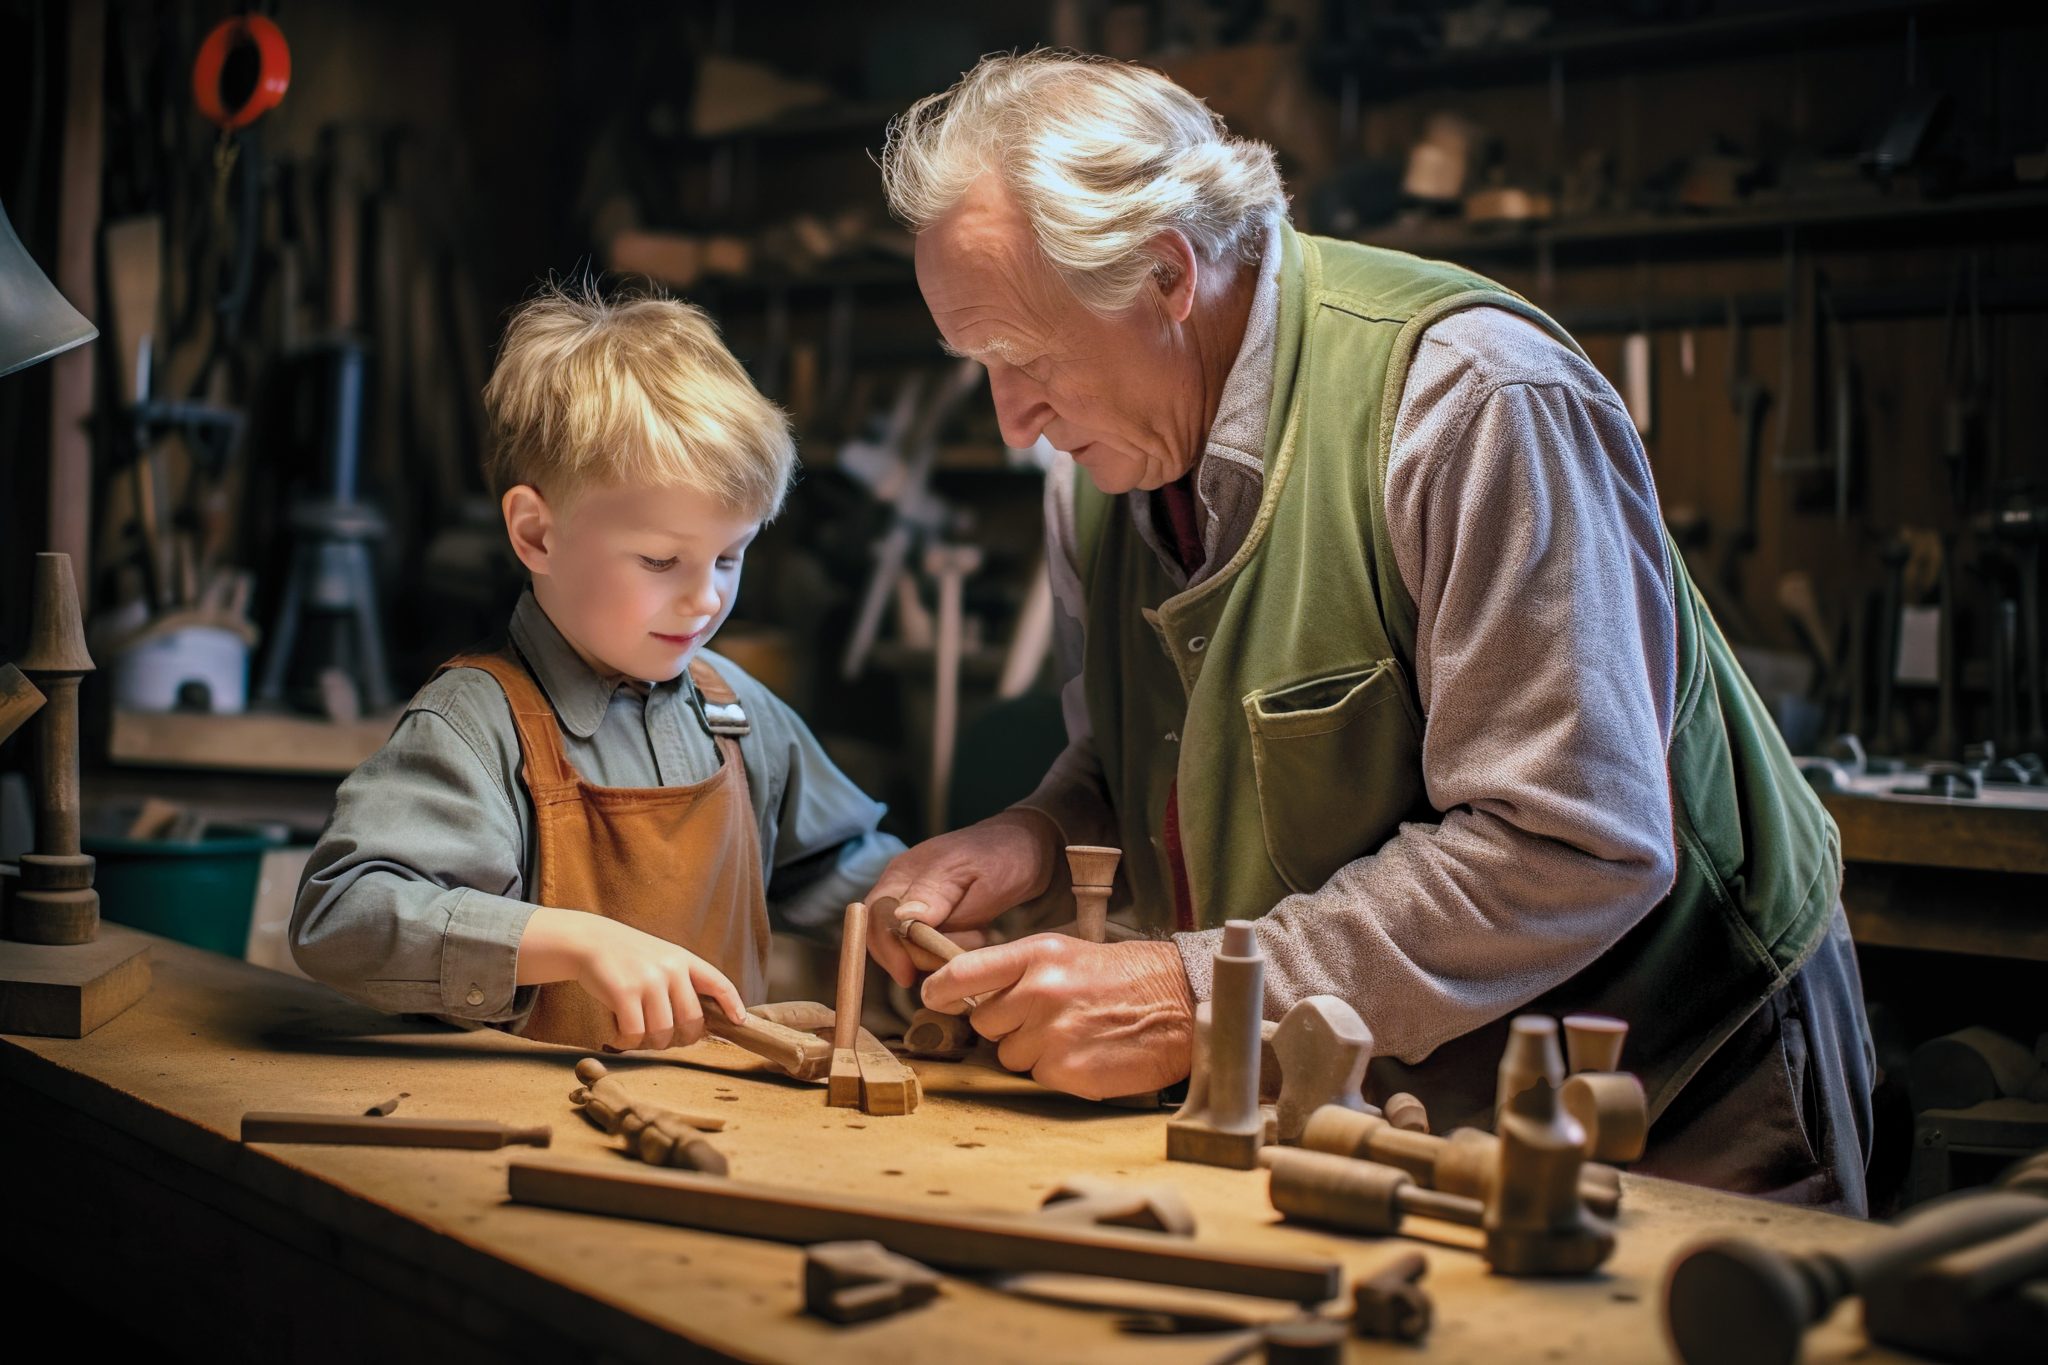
[416, 896]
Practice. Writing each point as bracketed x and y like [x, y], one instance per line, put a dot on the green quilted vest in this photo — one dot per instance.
[1280, 691]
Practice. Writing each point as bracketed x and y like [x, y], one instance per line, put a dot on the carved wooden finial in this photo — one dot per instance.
[56, 631]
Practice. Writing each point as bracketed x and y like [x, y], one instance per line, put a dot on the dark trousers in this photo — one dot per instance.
[1782, 1109]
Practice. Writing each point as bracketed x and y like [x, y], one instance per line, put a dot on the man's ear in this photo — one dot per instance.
[1174, 274]
[530, 523]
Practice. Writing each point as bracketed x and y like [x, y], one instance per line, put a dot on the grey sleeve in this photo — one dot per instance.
[1072, 794]
[826, 847]
[1526, 528]
[413, 899]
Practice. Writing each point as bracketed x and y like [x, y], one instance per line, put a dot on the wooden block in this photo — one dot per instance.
[887, 1086]
[68, 990]
[940, 1239]
[843, 1090]
[860, 1281]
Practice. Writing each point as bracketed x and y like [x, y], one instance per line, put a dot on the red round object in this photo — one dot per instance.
[242, 71]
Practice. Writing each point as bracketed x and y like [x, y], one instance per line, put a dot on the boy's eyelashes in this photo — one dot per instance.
[664, 565]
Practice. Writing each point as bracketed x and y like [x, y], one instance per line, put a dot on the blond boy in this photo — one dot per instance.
[579, 836]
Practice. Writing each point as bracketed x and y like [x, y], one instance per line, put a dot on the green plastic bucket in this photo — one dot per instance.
[198, 893]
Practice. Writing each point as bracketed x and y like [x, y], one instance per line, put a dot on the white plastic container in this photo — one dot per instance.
[149, 672]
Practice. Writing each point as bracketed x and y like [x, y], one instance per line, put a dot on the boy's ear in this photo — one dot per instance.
[530, 524]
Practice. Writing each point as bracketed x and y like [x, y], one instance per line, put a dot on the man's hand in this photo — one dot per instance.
[961, 881]
[650, 985]
[1093, 1019]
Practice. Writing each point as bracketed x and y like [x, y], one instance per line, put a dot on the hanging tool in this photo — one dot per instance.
[1749, 400]
[897, 470]
[1964, 411]
[1833, 385]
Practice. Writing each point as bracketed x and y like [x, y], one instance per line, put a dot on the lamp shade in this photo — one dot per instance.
[35, 321]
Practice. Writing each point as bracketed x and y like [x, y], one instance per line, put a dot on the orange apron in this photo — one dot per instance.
[681, 863]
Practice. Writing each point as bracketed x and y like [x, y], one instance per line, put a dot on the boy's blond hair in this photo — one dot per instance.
[596, 390]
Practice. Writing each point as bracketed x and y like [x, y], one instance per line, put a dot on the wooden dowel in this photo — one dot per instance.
[845, 1086]
[955, 1241]
[369, 1130]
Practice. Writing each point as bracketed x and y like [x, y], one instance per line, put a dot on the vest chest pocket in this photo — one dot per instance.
[1338, 762]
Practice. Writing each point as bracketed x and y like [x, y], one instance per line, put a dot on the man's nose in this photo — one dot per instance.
[1021, 410]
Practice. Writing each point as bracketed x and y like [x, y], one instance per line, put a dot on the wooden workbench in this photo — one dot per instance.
[125, 1182]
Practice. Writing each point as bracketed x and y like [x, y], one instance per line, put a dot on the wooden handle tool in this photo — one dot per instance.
[931, 940]
[802, 1055]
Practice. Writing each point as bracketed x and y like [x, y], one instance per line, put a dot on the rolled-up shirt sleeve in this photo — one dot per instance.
[1525, 526]
[413, 899]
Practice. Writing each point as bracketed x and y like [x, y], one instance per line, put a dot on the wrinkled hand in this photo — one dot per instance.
[1096, 1020]
[960, 881]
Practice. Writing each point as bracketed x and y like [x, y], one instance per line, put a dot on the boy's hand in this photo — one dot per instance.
[962, 880]
[650, 985]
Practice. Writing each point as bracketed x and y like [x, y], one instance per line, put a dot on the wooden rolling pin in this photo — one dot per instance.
[371, 1130]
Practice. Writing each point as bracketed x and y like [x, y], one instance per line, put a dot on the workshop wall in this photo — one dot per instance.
[1861, 186]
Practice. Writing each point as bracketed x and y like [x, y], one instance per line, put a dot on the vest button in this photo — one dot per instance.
[475, 996]
[1197, 644]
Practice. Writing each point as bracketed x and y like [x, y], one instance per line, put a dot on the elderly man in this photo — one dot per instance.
[1374, 636]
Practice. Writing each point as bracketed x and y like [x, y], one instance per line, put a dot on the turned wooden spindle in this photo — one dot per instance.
[1093, 872]
[55, 902]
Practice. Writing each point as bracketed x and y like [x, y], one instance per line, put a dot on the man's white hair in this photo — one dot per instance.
[1101, 156]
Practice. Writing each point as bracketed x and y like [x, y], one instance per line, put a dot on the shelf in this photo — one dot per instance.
[852, 275]
[1581, 52]
[255, 742]
[1760, 221]
[825, 120]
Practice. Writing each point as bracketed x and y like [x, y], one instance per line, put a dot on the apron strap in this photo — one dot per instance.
[723, 714]
[540, 734]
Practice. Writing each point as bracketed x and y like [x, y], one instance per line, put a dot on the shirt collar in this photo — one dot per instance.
[580, 696]
[1239, 431]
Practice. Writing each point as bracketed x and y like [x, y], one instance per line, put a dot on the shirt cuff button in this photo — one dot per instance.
[475, 996]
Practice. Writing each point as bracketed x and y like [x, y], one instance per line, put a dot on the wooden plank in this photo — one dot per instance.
[383, 1130]
[1958, 834]
[958, 1241]
[252, 742]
